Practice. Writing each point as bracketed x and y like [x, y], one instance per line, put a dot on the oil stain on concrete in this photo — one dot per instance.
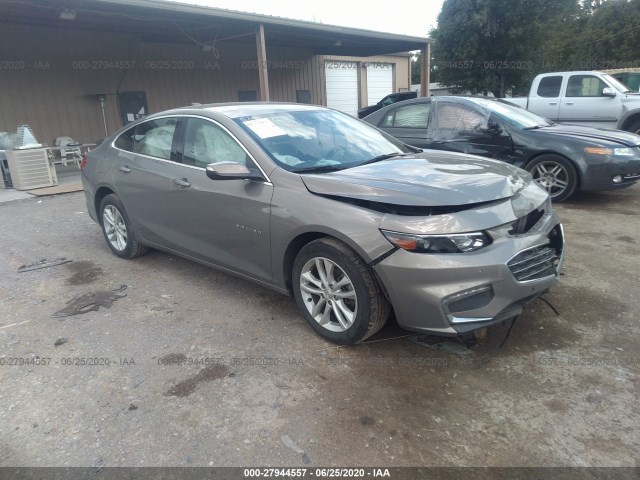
[83, 272]
[188, 386]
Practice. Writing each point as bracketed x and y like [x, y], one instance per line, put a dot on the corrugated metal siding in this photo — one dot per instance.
[54, 73]
[56, 98]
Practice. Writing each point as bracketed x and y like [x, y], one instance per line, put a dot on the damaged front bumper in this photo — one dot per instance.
[450, 294]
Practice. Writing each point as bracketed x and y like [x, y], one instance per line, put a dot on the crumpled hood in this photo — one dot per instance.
[431, 179]
[590, 133]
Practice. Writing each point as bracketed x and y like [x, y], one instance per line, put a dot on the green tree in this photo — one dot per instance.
[495, 45]
[416, 58]
[415, 67]
[606, 35]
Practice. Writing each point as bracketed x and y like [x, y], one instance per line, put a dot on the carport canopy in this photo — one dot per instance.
[173, 22]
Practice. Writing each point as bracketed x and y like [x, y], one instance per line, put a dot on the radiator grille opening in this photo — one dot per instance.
[541, 261]
[535, 263]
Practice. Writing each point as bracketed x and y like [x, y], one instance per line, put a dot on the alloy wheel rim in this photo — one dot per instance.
[328, 294]
[551, 176]
[114, 227]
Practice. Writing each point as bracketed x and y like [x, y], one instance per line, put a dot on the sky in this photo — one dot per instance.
[410, 17]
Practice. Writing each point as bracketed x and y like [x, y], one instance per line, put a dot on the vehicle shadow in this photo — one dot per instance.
[621, 202]
[590, 200]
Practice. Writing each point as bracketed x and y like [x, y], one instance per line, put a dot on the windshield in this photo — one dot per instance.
[621, 87]
[318, 139]
[512, 114]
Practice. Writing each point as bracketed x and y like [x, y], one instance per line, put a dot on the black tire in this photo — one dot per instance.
[557, 175]
[634, 127]
[129, 247]
[370, 306]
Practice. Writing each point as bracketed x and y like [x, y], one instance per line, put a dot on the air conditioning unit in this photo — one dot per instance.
[30, 168]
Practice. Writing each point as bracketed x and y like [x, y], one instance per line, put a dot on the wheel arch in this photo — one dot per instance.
[630, 120]
[99, 196]
[304, 238]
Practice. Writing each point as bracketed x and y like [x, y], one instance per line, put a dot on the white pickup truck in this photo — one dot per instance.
[588, 98]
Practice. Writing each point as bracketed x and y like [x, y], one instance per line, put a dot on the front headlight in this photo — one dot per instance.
[454, 243]
[623, 152]
[618, 152]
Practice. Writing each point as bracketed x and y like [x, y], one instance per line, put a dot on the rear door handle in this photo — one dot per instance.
[553, 103]
[124, 168]
[181, 182]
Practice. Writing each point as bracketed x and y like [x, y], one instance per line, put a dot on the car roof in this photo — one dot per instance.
[379, 113]
[244, 109]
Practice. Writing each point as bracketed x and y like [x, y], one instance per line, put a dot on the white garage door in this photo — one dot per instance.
[342, 86]
[379, 82]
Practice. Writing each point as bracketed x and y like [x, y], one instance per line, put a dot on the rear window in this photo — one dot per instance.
[549, 87]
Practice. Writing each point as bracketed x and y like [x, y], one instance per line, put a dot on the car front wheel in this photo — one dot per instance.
[634, 127]
[117, 229]
[555, 174]
[338, 293]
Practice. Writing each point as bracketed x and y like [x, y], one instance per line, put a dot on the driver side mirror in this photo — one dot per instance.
[608, 92]
[231, 171]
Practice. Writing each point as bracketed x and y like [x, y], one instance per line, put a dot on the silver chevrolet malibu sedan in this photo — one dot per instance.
[312, 202]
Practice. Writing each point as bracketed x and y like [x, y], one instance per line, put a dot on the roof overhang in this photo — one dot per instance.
[173, 22]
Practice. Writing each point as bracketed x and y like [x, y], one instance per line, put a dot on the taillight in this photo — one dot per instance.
[83, 162]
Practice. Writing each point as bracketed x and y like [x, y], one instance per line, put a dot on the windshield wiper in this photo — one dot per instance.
[319, 169]
[386, 156]
[413, 149]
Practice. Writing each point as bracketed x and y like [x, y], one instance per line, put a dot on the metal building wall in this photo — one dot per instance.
[48, 77]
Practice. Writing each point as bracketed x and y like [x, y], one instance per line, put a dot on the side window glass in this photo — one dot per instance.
[154, 138]
[549, 87]
[412, 116]
[125, 140]
[387, 121]
[205, 143]
[387, 101]
[452, 119]
[585, 86]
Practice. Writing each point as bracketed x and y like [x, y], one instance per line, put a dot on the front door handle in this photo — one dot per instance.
[553, 103]
[181, 182]
[568, 103]
[124, 168]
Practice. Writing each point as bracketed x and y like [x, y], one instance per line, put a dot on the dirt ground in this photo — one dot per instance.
[198, 368]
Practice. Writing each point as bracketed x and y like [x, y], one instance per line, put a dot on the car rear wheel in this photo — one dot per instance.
[117, 229]
[555, 174]
[338, 293]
